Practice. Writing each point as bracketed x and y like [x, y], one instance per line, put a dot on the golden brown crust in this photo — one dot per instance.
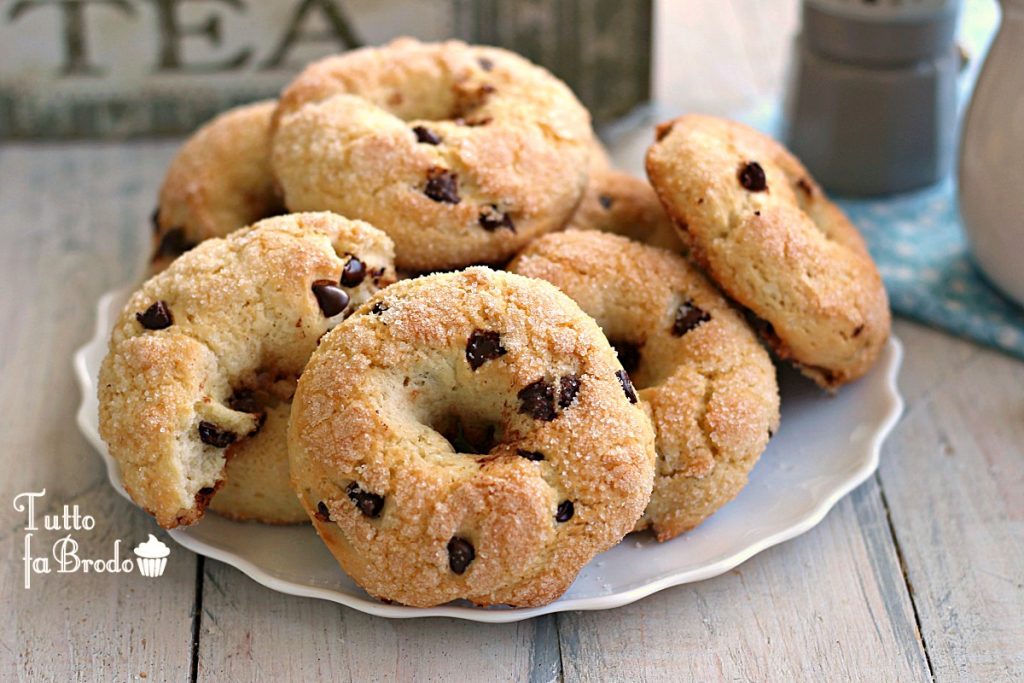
[242, 317]
[778, 246]
[461, 153]
[380, 389]
[707, 384]
[623, 204]
[220, 180]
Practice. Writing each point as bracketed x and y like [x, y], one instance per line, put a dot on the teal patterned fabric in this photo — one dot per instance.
[918, 241]
[919, 245]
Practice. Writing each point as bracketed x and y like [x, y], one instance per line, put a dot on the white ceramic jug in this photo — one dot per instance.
[992, 159]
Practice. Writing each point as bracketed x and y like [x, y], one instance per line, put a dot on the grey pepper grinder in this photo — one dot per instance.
[871, 107]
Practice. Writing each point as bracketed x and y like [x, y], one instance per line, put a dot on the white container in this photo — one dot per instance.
[992, 159]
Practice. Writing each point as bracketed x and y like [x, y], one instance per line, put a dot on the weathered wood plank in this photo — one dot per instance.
[248, 630]
[73, 225]
[954, 483]
[830, 605]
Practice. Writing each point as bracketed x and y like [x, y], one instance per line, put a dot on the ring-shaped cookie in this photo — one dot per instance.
[203, 347]
[219, 181]
[706, 382]
[763, 230]
[623, 204]
[469, 435]
[462, 154]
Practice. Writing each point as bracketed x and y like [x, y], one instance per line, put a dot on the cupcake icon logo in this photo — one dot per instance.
[152, 556]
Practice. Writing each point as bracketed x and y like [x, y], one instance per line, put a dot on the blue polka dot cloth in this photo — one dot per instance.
[918, 241]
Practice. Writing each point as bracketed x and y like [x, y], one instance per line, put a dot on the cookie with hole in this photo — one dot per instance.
[196, 386]
[461, 153]
[219, 181]
[765, 232]
[469, 435]
[706, 383]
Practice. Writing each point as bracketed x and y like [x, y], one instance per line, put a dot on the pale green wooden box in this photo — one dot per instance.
[123, 68]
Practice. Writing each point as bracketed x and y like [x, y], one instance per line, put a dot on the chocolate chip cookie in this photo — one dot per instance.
[764, 231]
[469, 435]
[462, 154]
[707, 384]
[208, 349]
[219, 181]
[623, 204]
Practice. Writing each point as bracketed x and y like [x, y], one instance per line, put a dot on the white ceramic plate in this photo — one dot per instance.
[824, 448]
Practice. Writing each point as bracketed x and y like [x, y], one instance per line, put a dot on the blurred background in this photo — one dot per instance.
[868, 93]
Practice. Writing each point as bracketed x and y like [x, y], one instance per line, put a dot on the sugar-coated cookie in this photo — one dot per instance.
[764, 231]
[469, 435]
[462, 154]
[220, 180]
[706, 382]
[204, 348]
[623, 204]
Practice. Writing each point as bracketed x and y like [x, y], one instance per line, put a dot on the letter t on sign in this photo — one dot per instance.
[76, 52]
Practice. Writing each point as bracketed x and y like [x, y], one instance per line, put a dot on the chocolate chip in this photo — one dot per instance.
[492, 219]
[354, 272]
[485, 63]
[370, 504]
[538, 400]
[757, 213]
[378, 308]
[156, 317]
[565, 511]
[752, 177]
[857, 330]
[627, 385]
[322, 513]
[534, 456]
[688, 316]
[568, 387]
[442, 185]
[212, 435]
[805, 186]
[629, 354]
[483, 345]
[245, 401]
[460, 554]
[605, 200]
[204, 495]
[331, 298]
[426, 136]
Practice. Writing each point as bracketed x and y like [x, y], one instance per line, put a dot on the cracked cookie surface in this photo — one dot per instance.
[461, 153]
[703, 378]
[468, 435]
[764, 231]
[205, 349]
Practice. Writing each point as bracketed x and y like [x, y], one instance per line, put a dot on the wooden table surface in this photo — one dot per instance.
[916, 575]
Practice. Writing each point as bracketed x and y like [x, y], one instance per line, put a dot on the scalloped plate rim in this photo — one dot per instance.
[891, 357]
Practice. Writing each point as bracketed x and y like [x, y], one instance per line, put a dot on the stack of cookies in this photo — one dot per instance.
[412, 303]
